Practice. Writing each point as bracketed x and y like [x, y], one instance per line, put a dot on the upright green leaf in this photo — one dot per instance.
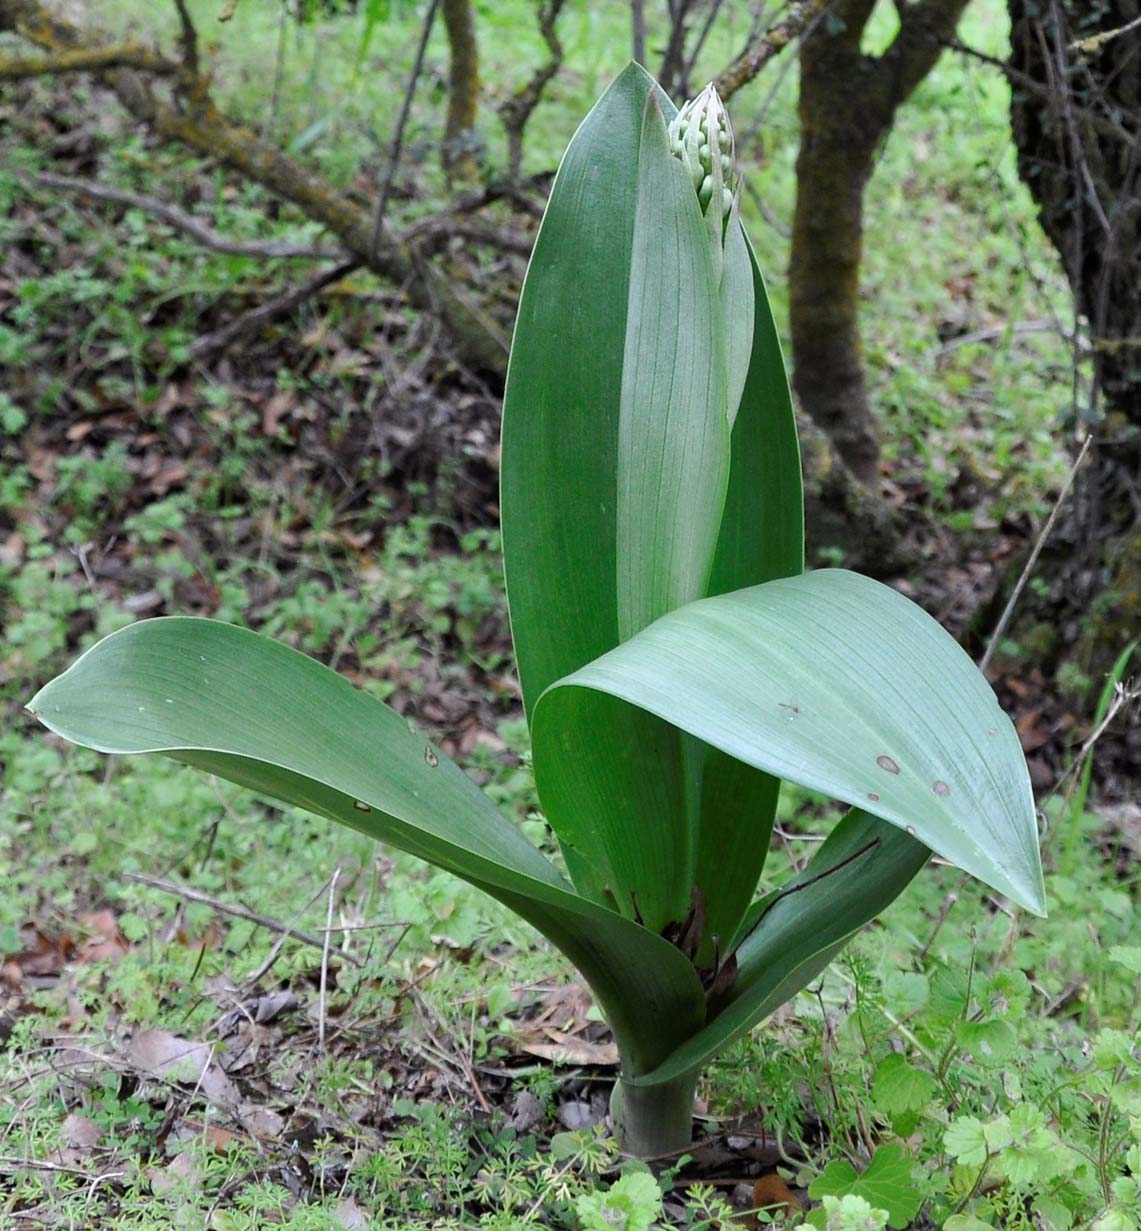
[260, 714]
[564, 387]
[560, 494]
[673, 433]
[761, 538]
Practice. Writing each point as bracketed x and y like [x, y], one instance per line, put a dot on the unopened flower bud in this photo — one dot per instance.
[701, 137]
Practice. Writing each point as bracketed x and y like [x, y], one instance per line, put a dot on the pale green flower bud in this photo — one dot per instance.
[702, 138]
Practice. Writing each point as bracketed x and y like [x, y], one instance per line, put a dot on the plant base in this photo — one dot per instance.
[653, 1120]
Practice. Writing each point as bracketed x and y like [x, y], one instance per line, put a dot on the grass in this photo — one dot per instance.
[960, 1068]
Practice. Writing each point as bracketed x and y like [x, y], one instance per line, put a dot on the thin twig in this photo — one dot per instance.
[32, 1164]
[691, 60]
[187, 223]
[1012, 602]
[1018, 328]
[282, 305]
[321, 1003]
[457, 1056]
[274, 953]
[1095, 42]
[638, 31]
[398, 138]
[1123, 696]
[238, 912]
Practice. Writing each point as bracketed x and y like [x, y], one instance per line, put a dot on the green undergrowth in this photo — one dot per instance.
[960, 1067]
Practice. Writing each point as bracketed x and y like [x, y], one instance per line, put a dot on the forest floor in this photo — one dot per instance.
[219, 1013]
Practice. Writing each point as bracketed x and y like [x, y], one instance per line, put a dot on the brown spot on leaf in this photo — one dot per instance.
[941, 789]
[911, 830]
[360, 806]
[873, 797]
[888, 763]
[430, 758]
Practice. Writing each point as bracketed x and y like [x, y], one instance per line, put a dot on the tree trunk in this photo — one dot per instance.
[1076, 120]
[848, 102]
[461, 145]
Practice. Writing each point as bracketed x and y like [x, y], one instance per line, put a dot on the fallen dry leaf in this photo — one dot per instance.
[105, 940]
[39, 956]
[568, 1049]
[161, 1054]
[261, 1122]
[80, 1133]
[771, 1190]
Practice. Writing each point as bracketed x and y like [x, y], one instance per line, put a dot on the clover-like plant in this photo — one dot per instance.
[676, 661]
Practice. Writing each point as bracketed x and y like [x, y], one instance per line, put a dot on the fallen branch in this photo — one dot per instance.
[187, 223]
[238, 912]
[86, 60]
[432, 233]
[801, 14]
[282, 305]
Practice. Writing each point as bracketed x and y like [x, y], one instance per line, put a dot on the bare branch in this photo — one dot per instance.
[1104, 125]
[670, 72]
[187, 223]
[691, 60]
[188, 38]
[516, 111]
[282, 305]
[638, 31]
[87, 60]
[436, 231]
[801, 14]
[398, 138]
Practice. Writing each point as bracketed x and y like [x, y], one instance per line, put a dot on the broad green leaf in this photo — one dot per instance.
[886, 1184]
[788, 938]
[842, 685]
[965, 1140]
[260, 714]
[899, 1087]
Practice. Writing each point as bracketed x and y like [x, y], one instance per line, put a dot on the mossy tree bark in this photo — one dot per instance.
[848, 101]
[460, 143]
[1075, 70]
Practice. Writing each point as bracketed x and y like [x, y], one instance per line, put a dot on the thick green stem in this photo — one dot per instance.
[653, 1120]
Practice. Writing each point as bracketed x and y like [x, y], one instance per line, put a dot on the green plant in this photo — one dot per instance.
[675, 661]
